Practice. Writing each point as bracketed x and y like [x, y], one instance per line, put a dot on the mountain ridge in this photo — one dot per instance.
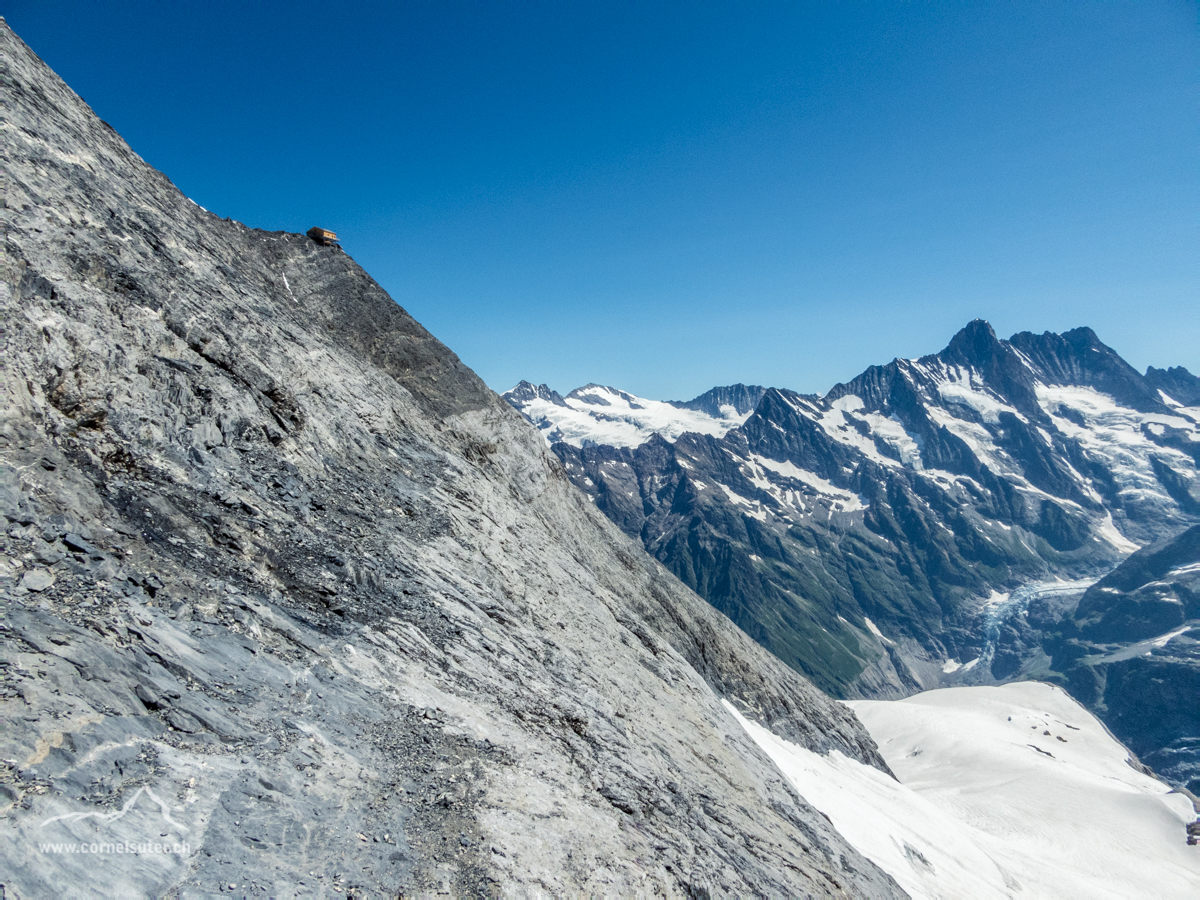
[863, 536]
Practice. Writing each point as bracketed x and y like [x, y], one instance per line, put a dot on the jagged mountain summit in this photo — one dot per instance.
[295, 605]
[1176, 386]
[928, 523]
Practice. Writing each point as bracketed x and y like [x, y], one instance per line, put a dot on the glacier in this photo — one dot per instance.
[1010, 791]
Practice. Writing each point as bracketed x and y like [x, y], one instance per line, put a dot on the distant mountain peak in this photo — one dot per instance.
[602, 395]
[525, 392]
[975, 344]
[597, 414]
[976, 329]
[1078, 357]
[742, 398]
[1177, 384]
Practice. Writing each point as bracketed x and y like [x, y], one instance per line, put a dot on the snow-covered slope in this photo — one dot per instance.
[598, 415]
[1013, 791]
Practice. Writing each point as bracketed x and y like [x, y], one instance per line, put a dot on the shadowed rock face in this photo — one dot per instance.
[294, 604]
[1177, 383]
[742, 397]
[1130, 652]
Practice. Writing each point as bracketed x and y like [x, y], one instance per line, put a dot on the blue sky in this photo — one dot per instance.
[666, 197]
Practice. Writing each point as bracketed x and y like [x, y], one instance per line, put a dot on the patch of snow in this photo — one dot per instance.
[1167, 638]
[1146, 647]
[964, 392]
[951, 666]
[996, 598]
[1108, 531]
[1118, 434]
[980, 442]
[968, 666]
[850, 501]
[874, 629]
[751, 508]
[893, 432]
[835, 424]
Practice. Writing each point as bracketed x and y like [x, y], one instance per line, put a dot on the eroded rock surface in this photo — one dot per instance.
[294, 605]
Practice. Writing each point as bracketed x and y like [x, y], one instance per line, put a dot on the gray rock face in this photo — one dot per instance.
[294, 605]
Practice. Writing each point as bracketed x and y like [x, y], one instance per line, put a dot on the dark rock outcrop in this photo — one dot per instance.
[742, 397]
[1130, 651]
[1177, 383]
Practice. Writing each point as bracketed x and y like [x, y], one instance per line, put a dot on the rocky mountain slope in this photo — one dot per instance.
[294, 605]
[933, 522]
[1130, 652]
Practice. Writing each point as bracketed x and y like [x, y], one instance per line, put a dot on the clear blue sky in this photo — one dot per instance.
[665, 197]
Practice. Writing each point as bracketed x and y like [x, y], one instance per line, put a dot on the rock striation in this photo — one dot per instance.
[295, 605]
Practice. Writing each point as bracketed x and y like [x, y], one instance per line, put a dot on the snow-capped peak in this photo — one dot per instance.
[524, 392]
[596, 414]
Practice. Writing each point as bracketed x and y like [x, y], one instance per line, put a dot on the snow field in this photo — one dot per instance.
[988, 805]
